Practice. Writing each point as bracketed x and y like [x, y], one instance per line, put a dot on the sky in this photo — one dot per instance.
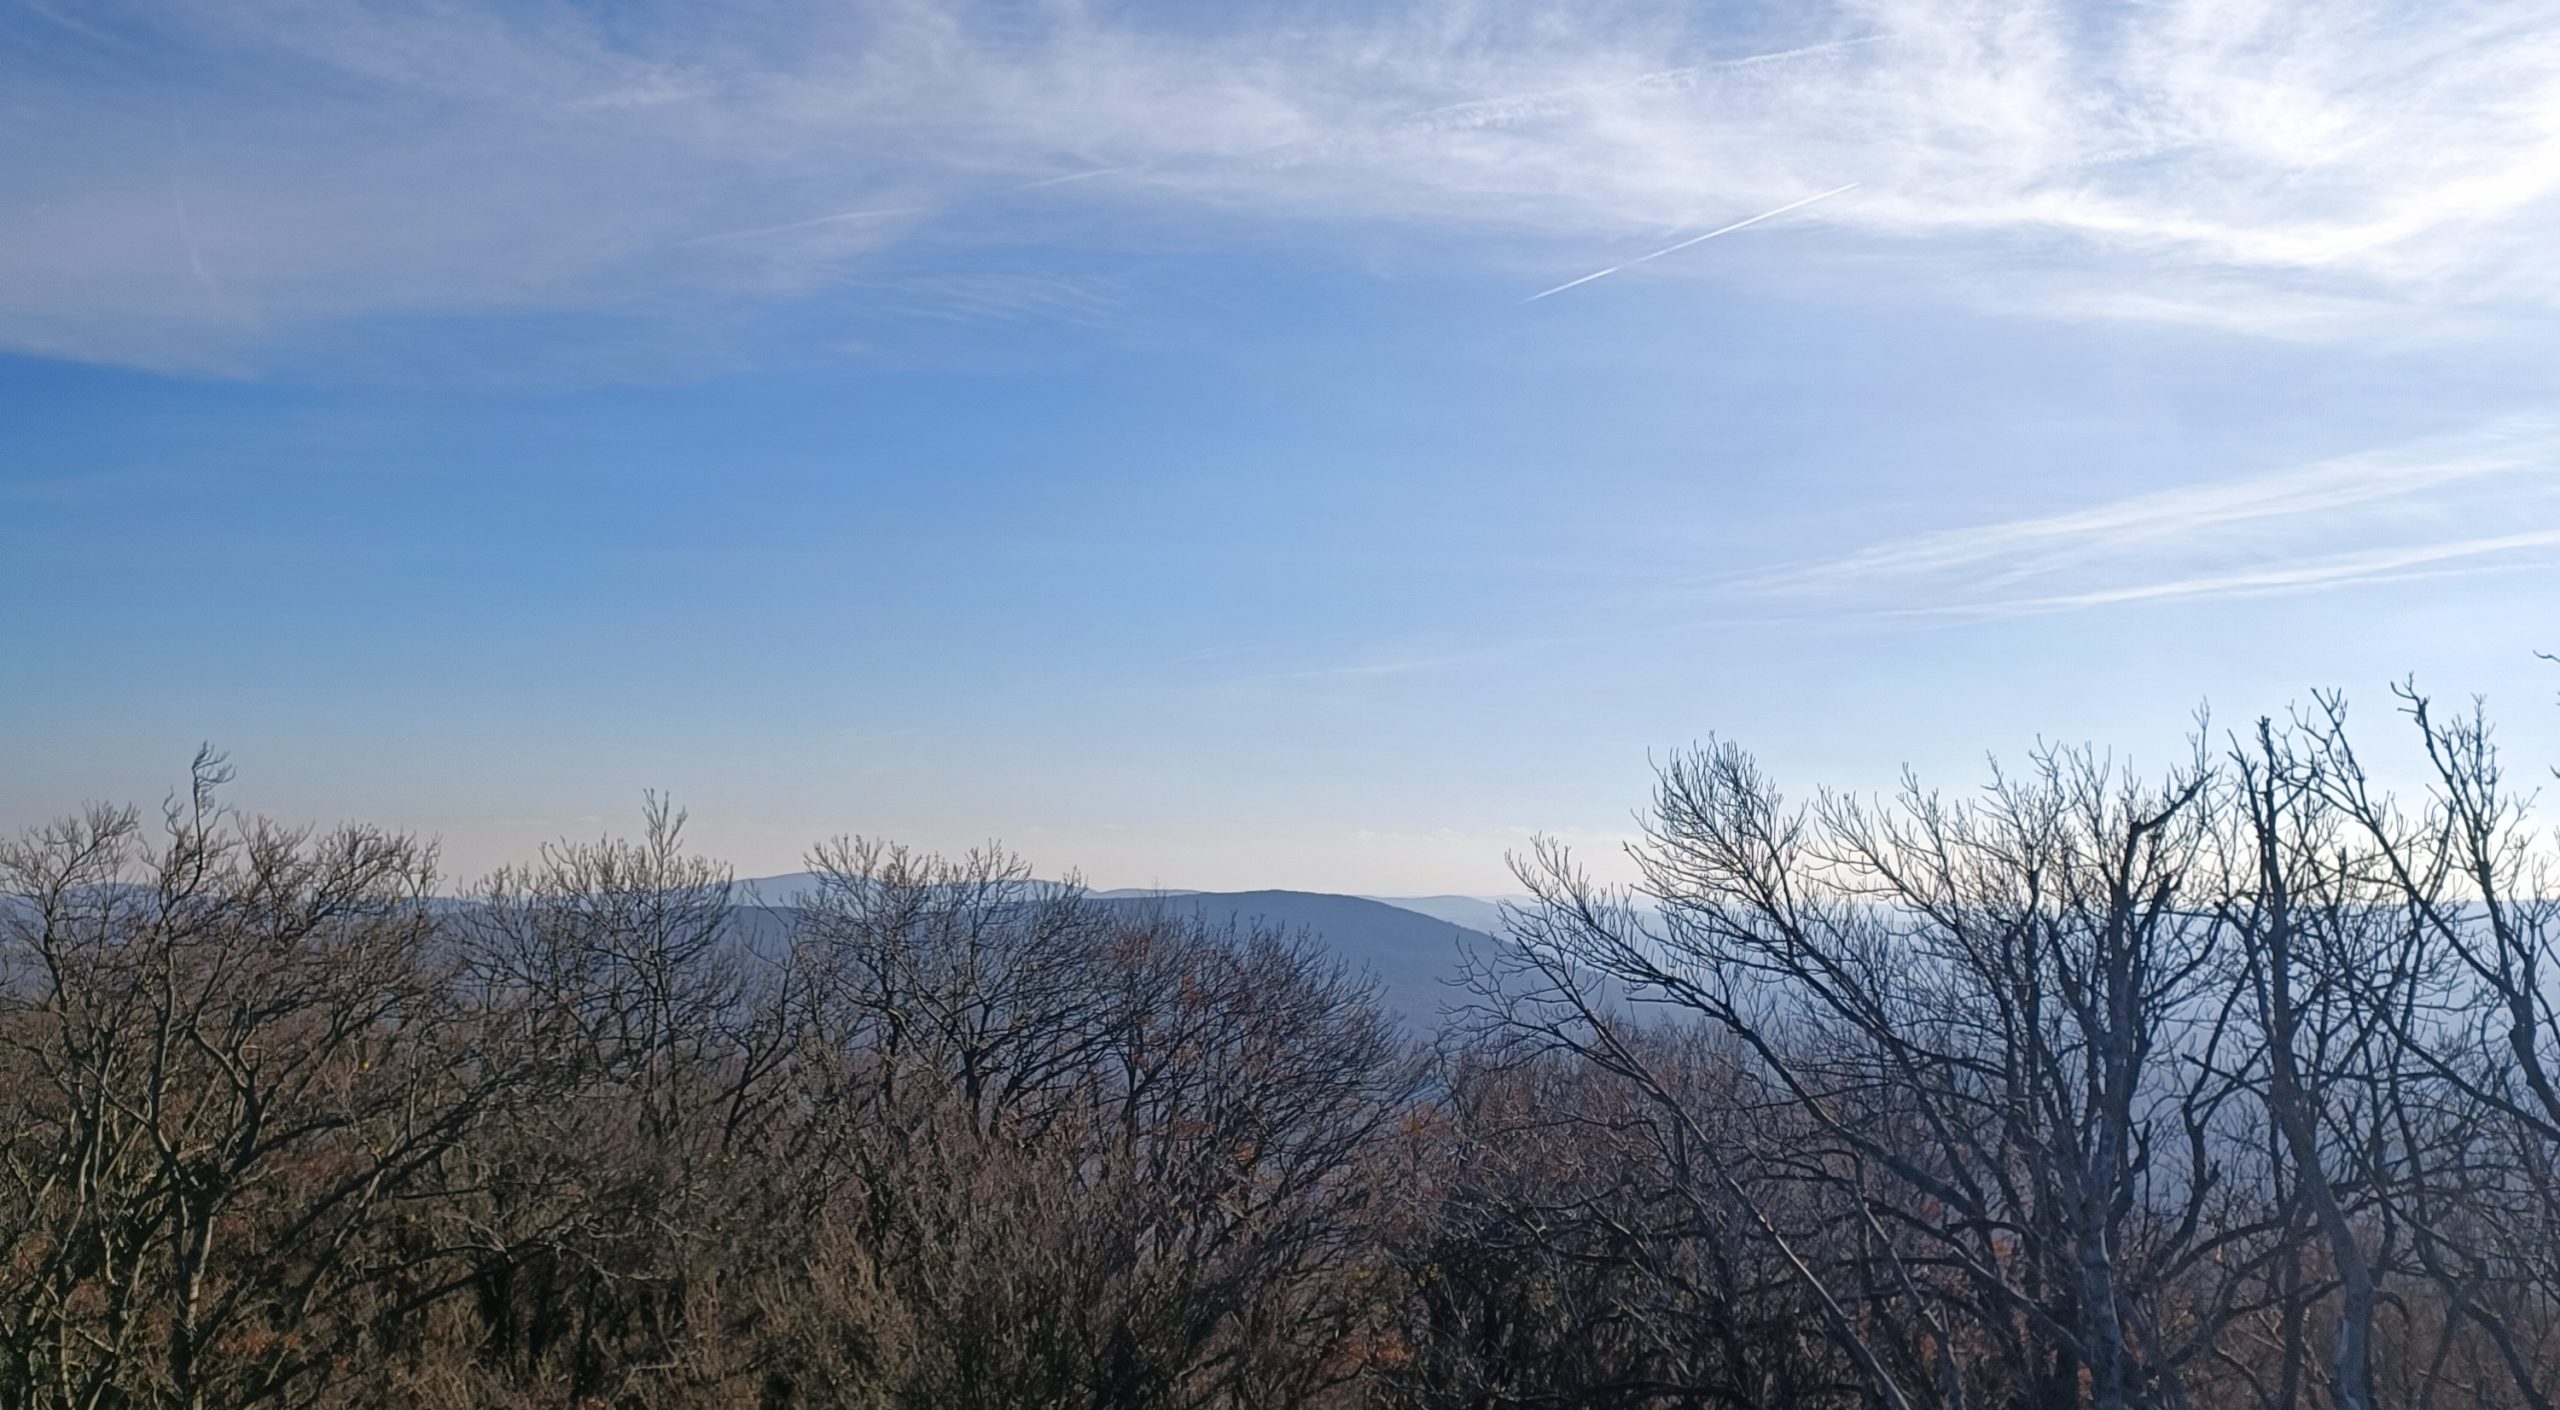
[1226, 445]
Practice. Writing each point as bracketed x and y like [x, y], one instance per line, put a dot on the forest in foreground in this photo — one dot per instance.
[2234, 1086]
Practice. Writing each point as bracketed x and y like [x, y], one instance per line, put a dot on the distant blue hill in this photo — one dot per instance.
[1413, 956]
[1412, 952]
[1479, 913]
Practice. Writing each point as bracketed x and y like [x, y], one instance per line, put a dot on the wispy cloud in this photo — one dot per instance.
[2299, 168]
[2346, 520]
[2371, 565]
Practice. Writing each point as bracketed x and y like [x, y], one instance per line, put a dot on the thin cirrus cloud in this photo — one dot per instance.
[2485, 499]
[2296, 168]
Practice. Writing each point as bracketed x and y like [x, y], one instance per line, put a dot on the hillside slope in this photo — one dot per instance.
[1413, 955]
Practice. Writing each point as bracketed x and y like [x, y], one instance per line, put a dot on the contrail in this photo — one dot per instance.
[1508, 108]
[1802, 51]
[803, 224]
[1072, 176]
[1694, 239]
[187, 236]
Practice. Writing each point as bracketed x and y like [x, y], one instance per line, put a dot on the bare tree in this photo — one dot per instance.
[2231, 1089]
[2481, 1018]
[237, 1065]
[1998, 1022]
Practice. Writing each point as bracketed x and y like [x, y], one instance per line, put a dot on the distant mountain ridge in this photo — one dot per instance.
[1481, 913]
[1478, 913]
[1414, 947]
[1415, 957]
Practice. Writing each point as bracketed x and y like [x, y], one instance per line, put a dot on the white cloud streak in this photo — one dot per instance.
[2309, 169]
[2382, 565]
[2359, 518]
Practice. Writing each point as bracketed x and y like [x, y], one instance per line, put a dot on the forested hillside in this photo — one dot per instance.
[2233, 1087]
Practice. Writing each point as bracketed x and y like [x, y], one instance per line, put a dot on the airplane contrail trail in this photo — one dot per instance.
[187, 237]
[1507, 108]
[1045, 182]
[1694, 239]
[810, 223]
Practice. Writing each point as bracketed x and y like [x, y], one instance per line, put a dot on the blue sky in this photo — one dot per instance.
[1131, 431]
